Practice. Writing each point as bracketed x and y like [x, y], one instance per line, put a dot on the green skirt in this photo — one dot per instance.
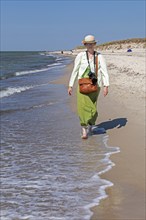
[87, 107]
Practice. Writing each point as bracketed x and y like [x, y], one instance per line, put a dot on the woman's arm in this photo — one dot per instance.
[75, 71]
[104, 72]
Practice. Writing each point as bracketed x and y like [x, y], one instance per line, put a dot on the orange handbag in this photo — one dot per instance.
[86, 86]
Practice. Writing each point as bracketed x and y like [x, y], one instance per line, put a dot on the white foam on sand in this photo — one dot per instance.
[104, 183]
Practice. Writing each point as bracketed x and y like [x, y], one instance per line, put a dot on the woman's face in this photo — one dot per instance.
[90, 46]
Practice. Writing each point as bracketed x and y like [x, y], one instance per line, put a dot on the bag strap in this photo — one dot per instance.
[96, 65]
[95, 61]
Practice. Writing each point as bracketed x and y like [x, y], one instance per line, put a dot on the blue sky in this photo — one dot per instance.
[61, 25]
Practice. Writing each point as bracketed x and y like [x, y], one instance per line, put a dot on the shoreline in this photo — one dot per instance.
[124, 107]
[126, 198]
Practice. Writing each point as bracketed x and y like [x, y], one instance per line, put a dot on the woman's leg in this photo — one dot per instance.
[87, 108]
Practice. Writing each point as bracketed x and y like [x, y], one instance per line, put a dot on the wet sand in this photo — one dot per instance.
[126, 199]
[122, 114]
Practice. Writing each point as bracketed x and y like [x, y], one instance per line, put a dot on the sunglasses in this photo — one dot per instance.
[89, 44]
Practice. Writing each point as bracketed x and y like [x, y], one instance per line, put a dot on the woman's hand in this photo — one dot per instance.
[105, 90]
[70, 90]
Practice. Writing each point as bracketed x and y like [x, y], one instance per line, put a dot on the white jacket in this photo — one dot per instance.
[81, 64]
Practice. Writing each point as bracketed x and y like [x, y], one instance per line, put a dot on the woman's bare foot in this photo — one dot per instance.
[84, 133]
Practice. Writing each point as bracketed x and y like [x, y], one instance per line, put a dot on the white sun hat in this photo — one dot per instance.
[89, 39]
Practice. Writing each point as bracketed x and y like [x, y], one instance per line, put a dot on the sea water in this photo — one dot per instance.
[47, 171]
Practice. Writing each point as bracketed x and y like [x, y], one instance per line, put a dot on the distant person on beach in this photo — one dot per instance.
[87, 103]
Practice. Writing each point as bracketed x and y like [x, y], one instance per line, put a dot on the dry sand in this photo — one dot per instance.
[123, 111]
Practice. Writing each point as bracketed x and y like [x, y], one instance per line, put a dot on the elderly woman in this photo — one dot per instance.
[85, 63]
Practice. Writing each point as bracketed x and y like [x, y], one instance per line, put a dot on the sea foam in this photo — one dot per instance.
[10, 91]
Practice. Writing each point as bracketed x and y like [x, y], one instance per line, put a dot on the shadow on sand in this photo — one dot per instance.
[104, 126]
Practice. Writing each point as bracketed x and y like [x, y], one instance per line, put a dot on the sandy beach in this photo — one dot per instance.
[122, 114]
